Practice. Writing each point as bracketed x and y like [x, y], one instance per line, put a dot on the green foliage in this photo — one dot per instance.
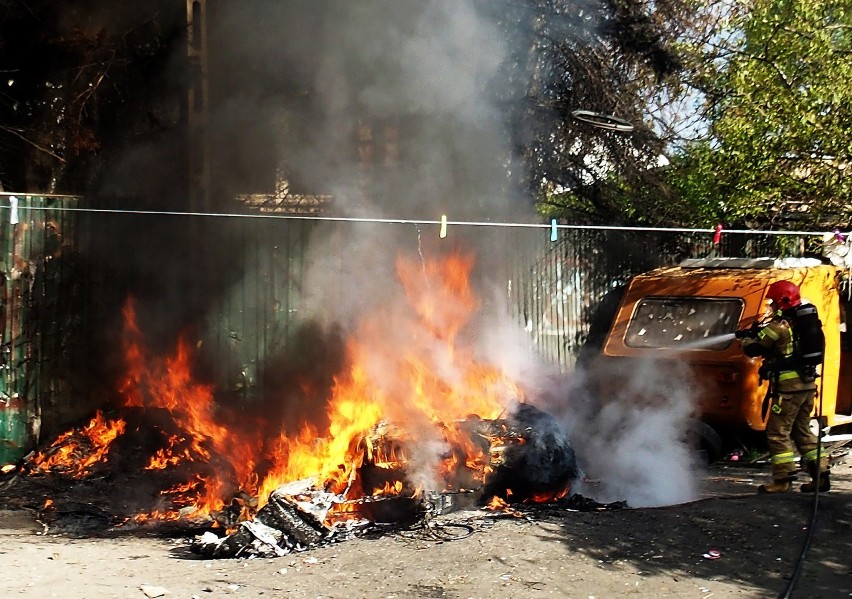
[780, 103]
[601, 56]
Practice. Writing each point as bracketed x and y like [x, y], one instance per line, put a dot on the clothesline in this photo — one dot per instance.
[443, 222]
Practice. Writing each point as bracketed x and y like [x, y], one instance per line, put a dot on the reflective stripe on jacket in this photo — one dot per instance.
[776, 337]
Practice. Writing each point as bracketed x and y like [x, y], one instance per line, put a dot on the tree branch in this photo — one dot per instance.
[21, 136]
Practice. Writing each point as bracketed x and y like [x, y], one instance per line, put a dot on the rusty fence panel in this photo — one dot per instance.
[41, 316]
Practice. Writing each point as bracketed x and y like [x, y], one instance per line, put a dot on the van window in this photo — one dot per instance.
[684, 323]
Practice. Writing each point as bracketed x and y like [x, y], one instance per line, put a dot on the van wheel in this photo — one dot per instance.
[707, 441]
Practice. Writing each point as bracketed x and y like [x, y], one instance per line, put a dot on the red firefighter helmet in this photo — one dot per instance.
[784, 294]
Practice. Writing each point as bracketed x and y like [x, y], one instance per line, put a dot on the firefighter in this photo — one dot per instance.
[791, 391]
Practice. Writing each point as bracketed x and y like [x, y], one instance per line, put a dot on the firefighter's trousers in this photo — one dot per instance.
[788, 430]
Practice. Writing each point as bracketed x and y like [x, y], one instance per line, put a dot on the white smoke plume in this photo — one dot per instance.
[432, 71]
[631, 429]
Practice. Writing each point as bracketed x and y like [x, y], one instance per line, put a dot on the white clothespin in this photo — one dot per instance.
[443, 226]
[13, 217]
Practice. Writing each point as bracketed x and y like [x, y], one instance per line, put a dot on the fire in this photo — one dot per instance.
[497, 504]
[398, 414]
[74, 453]
[549, 497]
[169, 384]
[170, 456]
[419, 386]
[394, 488]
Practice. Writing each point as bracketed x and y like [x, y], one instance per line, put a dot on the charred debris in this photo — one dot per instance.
[528, 470]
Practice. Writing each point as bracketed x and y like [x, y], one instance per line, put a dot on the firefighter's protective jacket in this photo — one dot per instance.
[775, 340]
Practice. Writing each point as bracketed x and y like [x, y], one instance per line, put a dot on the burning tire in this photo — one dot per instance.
[536, 462]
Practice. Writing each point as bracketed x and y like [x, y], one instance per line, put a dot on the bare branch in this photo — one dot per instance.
[17, 133]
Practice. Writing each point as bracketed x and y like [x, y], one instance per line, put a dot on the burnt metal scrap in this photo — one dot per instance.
[283, 525]
[295, 519]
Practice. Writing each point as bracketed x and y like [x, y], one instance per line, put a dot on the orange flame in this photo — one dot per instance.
[549, 497]
[75, 452]
[418, 386]
[497, 504]
[394, 488]
[169, 384]
[397, 407]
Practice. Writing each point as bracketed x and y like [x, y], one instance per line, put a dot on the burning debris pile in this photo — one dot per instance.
[410, 431]
[527, 457]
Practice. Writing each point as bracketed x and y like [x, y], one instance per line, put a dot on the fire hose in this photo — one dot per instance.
[443, 532]
[806, 544]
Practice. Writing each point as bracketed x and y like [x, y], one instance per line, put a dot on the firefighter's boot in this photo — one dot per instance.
[812, 468]
[776, 486]
[824, 484]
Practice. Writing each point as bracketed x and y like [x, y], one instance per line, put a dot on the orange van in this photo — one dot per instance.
[687, 316]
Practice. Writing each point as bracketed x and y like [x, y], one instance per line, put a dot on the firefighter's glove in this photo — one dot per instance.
[749, 333]
[764, 373]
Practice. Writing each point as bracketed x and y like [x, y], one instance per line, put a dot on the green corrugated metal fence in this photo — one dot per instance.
[558, 290]
[40, 312]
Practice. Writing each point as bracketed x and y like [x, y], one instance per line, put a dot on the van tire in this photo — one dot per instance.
[707, 441]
